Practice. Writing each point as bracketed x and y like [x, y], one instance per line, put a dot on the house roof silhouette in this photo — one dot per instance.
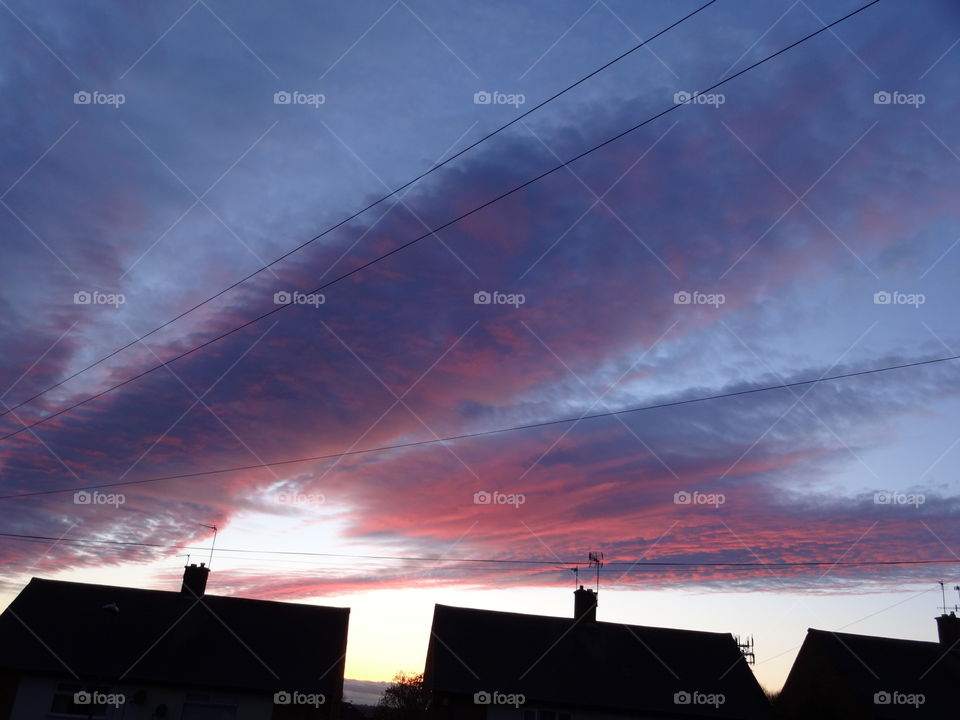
[582, 663]
[841, 674]
[107, 633]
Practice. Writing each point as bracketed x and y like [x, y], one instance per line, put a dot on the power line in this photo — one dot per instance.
[497, 561]
[432, 232]
[495, 431]
[360, 212]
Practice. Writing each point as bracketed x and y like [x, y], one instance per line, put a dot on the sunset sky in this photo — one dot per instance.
[807, 209]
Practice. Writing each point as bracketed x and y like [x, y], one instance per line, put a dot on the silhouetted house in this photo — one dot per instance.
[856, 677]
[76, 650]
[485, 665]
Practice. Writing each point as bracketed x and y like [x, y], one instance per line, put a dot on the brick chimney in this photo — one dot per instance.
[585, 605]
[948, 628]
[194, 580]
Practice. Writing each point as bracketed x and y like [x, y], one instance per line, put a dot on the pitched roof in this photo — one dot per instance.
[630, 668]
[157, 636]
[856, 667]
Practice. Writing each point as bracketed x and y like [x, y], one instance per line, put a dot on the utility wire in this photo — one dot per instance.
[360, 212]
[447, 224]
[509, 561]
[495, 431]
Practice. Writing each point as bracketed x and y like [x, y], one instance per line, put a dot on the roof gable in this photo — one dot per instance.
[847, 670]
[68, 628]
[589, 664]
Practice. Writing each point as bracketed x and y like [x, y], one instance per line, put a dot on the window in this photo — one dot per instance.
[73, 700]
[208, 711]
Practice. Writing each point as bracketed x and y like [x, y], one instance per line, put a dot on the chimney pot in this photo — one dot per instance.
[948, 628]
[585, 604]
[194, 580]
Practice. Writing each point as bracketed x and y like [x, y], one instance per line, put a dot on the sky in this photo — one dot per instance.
[795, 223]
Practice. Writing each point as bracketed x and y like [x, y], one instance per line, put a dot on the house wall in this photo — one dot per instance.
[816, 688]
[8, 691]
[457, 708]
[509, 713]
[34, 695]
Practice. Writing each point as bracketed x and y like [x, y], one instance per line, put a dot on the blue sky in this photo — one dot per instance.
[811, 223]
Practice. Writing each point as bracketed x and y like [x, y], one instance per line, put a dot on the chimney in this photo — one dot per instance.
[194, 580]
[585, 605]
[948, 628]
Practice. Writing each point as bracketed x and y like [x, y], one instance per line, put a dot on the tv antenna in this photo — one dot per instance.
[213, 544]
[943, 596]
[746, 648]
[596, 560]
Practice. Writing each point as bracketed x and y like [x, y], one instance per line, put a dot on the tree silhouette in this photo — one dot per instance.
[404, 699]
